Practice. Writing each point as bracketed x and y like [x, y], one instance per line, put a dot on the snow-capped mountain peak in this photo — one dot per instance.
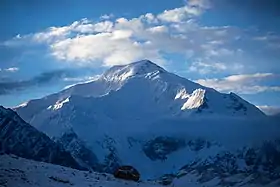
[145, 85]
[139, 68]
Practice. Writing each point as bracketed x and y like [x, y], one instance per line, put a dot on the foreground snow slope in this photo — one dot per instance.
[19, 172]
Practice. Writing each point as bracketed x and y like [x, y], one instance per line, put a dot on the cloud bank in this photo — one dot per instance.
[270, 110]
[243, 84]
[43, 79]
[111, 41]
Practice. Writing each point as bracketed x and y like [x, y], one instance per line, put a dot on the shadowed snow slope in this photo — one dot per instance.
[19, 138]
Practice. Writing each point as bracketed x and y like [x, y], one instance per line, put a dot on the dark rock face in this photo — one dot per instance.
[21, 139]
[248, 165]
[198, 144]
[127, 172]
[237, 105]
[166, 179]
[160, 147]
[86, 157]
[79, 151]
[204, 106]
[111, 160]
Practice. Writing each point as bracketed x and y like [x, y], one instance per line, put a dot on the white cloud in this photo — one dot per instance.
[205, 4]
[53, 33]
[175, 15]
[158, 29]
[110, 48]
[125, 40]
[267, 37]
[121, 34]
[121, 40]
[270, 110]
[211, 51]
[270, 40]
[250, 77]
[243, 84]
[106, 16]
[10, 70]
[204, 68]
[104, 26]
[192, 8]
[80, 80]
[150, 18]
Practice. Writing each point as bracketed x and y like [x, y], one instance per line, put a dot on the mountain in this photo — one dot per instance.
[19, 138]
[141, 115]
[160, 93]
[141, 90]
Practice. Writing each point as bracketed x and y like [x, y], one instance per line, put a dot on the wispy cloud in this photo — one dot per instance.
[80, 80]
[270, 40]
[242, 84]
[270, 110]
[213, 67]
[192, 8]
[106, 16]
[11, 69]
[10, 86]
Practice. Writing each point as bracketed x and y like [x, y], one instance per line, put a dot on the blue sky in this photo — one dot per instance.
[230, 45]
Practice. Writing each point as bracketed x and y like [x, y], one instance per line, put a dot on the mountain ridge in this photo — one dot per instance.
[19, 138]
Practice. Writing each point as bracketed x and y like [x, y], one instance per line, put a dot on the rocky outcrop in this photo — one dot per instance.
[111, 161]
[255, 165]
[160, 147]
[127, 172]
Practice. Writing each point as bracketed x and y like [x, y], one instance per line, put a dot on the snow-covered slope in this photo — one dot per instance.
[19, 172]
[141, 115]
[19, 138]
